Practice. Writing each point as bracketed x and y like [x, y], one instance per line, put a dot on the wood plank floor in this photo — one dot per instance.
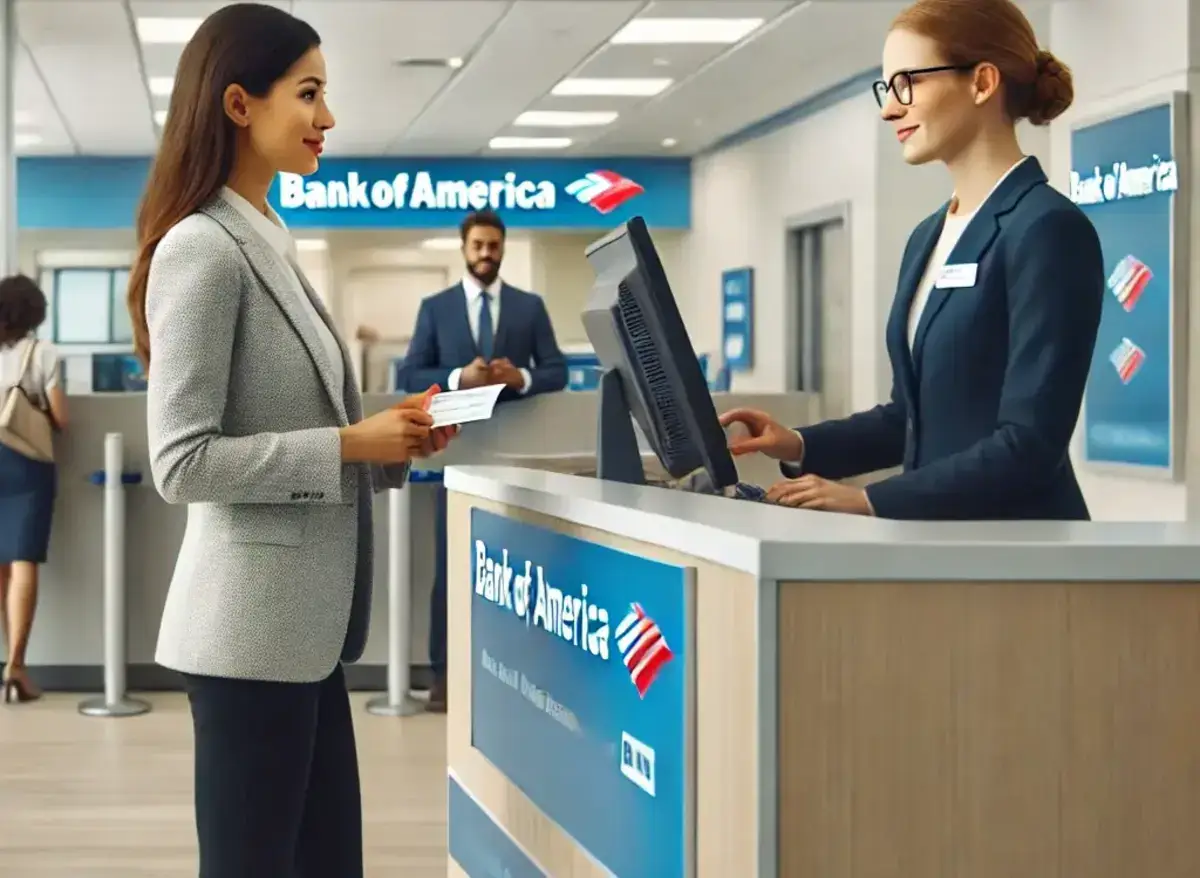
[102, 798]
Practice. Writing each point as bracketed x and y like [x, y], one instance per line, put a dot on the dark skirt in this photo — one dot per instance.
[27, 489]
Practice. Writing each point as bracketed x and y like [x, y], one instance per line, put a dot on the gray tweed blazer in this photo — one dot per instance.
[273, 579]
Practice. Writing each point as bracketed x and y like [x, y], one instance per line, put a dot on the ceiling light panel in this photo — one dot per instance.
[161, 86]
[666, 31]
[167, 30]
[611, 87]
[529, 143]
[565, 118]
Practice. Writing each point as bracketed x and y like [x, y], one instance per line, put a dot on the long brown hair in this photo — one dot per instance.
[1038, 86]
[250, 44]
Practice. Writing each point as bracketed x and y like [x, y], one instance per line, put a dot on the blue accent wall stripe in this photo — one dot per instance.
[856, 86]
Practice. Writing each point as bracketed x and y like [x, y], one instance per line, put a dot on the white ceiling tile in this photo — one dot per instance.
[35, 112]
[85, 52]
[373, 99]
[532, 47]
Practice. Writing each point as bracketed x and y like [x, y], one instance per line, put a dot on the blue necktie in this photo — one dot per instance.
[486, 333]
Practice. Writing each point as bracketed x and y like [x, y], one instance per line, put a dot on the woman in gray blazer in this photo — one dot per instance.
[256, 424]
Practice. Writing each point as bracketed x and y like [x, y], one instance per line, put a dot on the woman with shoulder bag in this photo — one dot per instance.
[32, 406]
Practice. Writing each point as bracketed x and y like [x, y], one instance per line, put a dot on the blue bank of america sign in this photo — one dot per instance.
[385, 192]
[581, 689]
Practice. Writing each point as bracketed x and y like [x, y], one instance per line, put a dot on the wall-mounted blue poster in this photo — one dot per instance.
[582, 689]
[1125, 178]
[737, 318]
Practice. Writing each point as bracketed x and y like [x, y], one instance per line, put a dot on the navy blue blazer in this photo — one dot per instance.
[442, 341]
[983, 407]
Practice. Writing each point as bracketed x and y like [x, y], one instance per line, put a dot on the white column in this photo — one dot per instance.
[8, 159]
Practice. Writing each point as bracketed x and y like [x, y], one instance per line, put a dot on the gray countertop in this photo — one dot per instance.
[777, 543]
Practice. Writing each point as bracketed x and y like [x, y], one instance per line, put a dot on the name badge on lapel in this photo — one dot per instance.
[957, 277]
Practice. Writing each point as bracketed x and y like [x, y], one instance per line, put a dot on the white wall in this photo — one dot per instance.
[742, 199]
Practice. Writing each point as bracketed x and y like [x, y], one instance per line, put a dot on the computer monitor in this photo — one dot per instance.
[649, 369]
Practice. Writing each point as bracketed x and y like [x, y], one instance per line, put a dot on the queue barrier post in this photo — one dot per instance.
[398, 700]
[115, 702]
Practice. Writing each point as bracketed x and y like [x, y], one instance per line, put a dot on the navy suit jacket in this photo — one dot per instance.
[442, 341]
[983, 407]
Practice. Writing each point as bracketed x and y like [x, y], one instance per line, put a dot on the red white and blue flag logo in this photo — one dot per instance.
[643, 648]
[604, 190]
[1127, 359]
[1128, 281]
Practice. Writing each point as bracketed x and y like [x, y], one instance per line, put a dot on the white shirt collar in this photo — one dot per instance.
[269, 225]
[1007, 174]
[473, 288]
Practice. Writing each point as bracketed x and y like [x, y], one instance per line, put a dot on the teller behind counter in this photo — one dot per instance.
[650, 683]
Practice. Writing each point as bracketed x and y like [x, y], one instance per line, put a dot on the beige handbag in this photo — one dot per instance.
[24, 427]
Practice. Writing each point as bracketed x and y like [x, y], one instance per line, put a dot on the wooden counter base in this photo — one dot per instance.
[989, 730]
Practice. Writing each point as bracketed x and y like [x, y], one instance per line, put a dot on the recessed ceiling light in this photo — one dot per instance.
[564, 118]
[669, 142]
[161, 86]
[665, 31]
[167, 30]
[441, 244]
[160, 118]
[614, 87]
[529, 143]
[26, 138]
[435, 63]
[312, 244]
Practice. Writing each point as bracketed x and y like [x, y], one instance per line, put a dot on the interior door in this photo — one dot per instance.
[385, 300]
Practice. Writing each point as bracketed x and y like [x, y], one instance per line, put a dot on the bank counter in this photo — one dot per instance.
[842, 697]
[67, 644]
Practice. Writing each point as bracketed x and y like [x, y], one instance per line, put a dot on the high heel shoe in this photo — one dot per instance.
[19, 691]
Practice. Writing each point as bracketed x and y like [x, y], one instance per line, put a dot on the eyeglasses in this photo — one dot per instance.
[901, 83]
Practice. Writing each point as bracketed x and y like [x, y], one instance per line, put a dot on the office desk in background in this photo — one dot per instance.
[67, 645]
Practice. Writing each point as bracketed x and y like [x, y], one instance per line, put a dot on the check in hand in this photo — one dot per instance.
[504, 372]
[814, 492]
[435, 439]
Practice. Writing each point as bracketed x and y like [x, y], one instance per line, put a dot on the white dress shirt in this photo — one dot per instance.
[474, 290]
[952, 230]
[270, 228]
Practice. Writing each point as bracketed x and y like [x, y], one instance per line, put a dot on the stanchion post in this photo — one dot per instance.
[398, 701]
[114, 702]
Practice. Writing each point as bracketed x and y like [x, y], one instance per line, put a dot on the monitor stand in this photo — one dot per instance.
[618, 458]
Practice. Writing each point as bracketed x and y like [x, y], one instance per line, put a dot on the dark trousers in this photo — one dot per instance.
[277, 791]
[437, 601]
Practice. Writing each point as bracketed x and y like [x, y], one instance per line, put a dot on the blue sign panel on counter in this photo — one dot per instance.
[1125, 179]
[85, 192]
[581, 689]
[482, 848]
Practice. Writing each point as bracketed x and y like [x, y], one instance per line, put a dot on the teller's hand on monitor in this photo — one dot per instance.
[751, 430]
